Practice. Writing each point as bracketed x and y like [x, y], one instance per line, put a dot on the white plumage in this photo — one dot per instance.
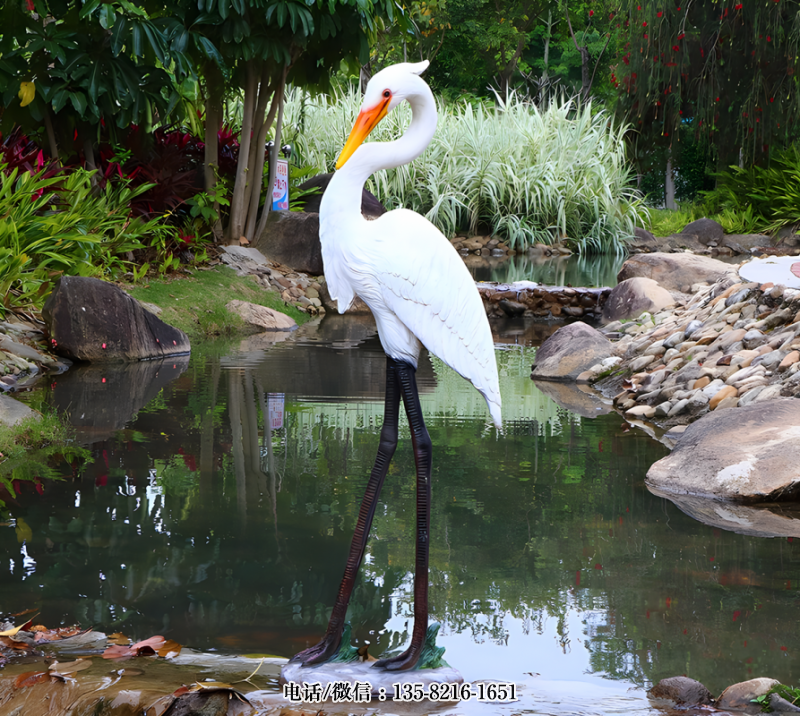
[400, 264]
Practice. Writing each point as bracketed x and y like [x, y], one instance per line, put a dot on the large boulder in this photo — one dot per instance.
[675, 272]
[92, 320]
[634, 296]
[751, 454]
[292, 238]
[706, 230]
[739, 697]
[569, 351]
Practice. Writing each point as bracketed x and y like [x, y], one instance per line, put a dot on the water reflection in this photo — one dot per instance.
[590, 271]
[221, 513]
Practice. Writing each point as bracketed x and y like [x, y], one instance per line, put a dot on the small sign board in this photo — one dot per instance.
[280, 190]
[275, 410]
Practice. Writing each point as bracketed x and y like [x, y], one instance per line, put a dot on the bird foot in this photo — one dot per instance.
[405, 661]
[319, 653]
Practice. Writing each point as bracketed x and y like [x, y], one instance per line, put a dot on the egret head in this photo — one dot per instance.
[385, 91]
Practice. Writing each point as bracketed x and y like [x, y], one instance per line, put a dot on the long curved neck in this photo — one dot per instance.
[344, 191]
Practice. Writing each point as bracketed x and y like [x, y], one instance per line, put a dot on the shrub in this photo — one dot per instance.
[530, 175]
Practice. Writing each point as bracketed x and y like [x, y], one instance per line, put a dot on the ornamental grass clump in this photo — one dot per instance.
[527, 174]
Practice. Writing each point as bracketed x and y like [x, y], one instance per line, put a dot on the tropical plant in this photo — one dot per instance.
[762, 198]
[531, 175]
[63, 225]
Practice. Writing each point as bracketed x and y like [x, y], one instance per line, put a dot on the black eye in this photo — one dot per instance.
[387, 93]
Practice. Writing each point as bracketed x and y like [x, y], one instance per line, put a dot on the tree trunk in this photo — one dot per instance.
[255, 160]
[273, 160]
[255, 199]
[669, 187]
[238, 209]
[51, 135]
[214, 93]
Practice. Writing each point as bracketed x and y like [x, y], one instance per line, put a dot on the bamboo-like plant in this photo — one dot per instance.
[529, 175]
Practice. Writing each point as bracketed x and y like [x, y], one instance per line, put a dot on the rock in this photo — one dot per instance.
[780, 705]
[643, 240]
[706, 230]
[292, 238]
[746, 455]
[261, 317]
[370, 206]
[672, 271]
[739, 696]
[727, 392]
[245, 260]
[570, 351]
[512, 308]
[789, 360]
[632, 297]
[92, 320]
[678, 408]
[693, 327]
[681, 690]
[357, 307]
[753, 338]
[641, 362]
[641, 411]
[12, 412]
[729, 402]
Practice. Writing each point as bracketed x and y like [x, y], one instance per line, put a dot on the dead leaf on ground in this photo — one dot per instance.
[70, 667]
[170, 650]
[29, 678]
[118, 638]
[21, 627]
[154, 646]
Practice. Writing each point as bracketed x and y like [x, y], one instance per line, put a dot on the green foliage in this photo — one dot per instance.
[687, 62]
[30, 448]
[62, 225]
[790, 693]
[766, 198]
[527, 174]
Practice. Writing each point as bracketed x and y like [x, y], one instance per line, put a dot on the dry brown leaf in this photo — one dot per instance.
[21, 627]
[29, 678]
[170, 649]
[118, 652]
[11, 644]
[70, 667]
[117, 638]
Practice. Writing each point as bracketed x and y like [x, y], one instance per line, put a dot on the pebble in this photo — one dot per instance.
[641, 411]
[727, 391]
[789, 360]
[678, 408]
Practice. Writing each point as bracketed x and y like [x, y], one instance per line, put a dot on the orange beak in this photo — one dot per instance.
[366, 121]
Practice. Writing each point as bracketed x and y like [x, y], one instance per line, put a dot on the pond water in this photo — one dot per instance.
[224, 490]
[586, 271]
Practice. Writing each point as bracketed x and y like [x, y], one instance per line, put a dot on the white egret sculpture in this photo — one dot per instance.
[421, 293]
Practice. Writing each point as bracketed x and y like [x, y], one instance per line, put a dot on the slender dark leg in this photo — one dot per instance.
[329, 644]
[422, 458]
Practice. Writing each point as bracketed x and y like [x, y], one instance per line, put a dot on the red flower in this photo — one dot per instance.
[682, 35]
[659, 13]
[771, 99]
[29, 3]
[738, 7]
[717, 100]
[676, 47]
[611, 16]
[645, 37]
[644, 24]
[591, 12]
[769, 39]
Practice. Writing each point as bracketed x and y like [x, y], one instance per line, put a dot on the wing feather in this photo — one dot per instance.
[423, 281]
